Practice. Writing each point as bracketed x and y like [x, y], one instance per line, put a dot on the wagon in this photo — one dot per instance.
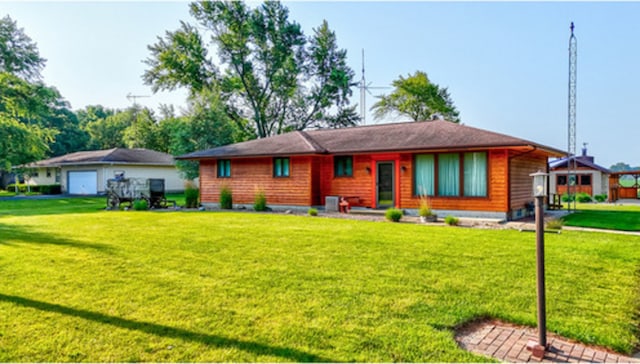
[129, 190]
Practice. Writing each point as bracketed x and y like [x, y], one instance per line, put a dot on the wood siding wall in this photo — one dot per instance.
[522, 165]
[359, 184]
[248, 175]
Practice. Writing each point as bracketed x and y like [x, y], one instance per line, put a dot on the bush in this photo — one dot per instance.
[191, 196]
[313, 212]
[583, 198]
[260, 201]
[50, 189]
[22, 188]
[555, 224]
[226, 199]
[567, 198]
[393, 215]
[451, 220]
[425, 208]
[140, 205]
[601, 198]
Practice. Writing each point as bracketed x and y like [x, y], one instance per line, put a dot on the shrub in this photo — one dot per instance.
[313, 212]
[260, 201]
[226, 199]
[140, 205]
[50, 189]
[451, 220]
[567, 198]
[191, 196]
[583, 197]
[555, 224]
[22, 188]
[393, 215]
[601, 198]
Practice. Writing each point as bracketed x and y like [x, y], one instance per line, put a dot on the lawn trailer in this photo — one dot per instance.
[128, 190]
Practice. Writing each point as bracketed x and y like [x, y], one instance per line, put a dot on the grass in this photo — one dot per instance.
[606, 216]
[105, 286]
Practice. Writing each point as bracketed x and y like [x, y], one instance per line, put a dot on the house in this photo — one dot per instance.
[466, 171]
[86, 173]
[589, 177]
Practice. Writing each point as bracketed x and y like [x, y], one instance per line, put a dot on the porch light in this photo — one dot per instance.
[539, 183]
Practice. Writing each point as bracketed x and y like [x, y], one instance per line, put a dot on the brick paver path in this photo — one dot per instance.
[508, 343]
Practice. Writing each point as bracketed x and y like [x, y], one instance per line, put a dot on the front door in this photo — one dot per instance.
[384, 185]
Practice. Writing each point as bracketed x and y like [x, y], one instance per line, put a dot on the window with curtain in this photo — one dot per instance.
[449, 174]
[224, 168]
[281, 167]
[424, 175]
[475, 174]
[343, 166]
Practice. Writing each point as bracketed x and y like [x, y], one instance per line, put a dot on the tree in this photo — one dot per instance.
[270, 81]
[18, 54]
[108, 133]
[205, 125]
[418, 98]
[21, 143]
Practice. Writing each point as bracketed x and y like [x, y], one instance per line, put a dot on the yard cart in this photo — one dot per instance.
[128, 190]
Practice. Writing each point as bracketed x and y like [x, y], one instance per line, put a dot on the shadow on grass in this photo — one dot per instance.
[168, 331]
[27, 236]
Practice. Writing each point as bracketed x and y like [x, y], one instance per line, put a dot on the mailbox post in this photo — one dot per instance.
[539, 192]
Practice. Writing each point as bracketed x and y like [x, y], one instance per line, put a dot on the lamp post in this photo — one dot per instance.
[539, 192]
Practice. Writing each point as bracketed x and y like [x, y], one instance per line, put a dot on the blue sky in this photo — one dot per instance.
[505, 63]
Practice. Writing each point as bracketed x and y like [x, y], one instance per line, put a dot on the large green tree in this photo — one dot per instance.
[18, 53]
[418, 98]
[272, 77]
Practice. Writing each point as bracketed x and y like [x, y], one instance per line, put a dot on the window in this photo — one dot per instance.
[35, 174]
[561, 180]
[48, 173]
[449, 174]
[281, 167]
[224, 168]
[343, 166]
[424, 175]
[475, 174]
[585, 180]
[57, 176]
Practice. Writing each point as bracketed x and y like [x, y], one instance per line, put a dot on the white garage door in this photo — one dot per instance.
[83, 183]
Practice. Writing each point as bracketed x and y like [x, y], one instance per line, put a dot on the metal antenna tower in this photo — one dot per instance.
[572, 179]
[134, 97]
[364, 88]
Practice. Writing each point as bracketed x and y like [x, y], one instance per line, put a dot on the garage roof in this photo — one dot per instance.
[139, 156]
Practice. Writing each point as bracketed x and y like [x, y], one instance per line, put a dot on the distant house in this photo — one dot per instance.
[465, 171]
[590, 178]
[86, 173]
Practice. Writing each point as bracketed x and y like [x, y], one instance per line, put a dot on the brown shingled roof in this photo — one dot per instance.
[115, 155]
[433, 135]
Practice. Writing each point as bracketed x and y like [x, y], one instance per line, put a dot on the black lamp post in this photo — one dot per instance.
[539, 192]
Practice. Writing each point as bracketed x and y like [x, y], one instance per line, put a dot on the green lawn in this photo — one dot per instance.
[606, 216]
[109, 286]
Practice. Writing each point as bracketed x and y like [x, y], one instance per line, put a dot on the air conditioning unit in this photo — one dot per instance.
[331, 203]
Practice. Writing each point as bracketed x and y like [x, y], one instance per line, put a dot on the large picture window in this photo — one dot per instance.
[475, 174]
[451, 174]
[281, 167]
[224, 168]
[424, 175]
[343, 166]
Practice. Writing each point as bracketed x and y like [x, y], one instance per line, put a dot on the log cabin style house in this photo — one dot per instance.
[464, 171]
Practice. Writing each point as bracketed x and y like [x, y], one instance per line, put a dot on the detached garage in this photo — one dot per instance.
[87, 173]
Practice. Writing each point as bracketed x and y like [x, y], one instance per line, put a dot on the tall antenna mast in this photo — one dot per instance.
[134, 97]
[364, 88]
[571, 151]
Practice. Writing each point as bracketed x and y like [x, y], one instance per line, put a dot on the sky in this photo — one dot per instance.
[505, 64]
